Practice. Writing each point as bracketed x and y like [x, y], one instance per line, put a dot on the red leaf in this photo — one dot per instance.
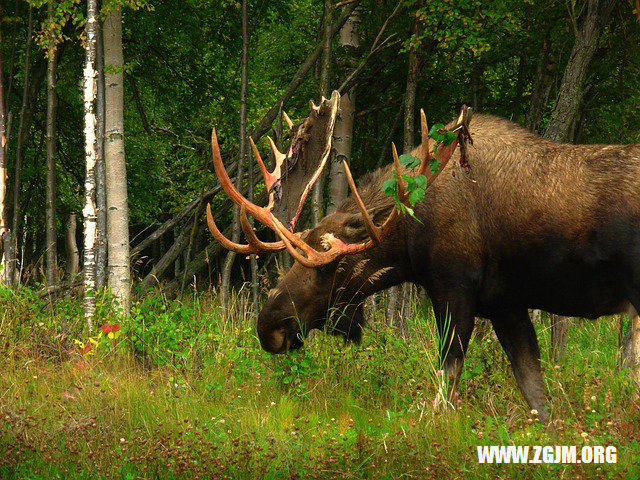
[106, 328]
[86, 349]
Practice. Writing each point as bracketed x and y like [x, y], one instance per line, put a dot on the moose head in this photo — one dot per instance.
[348, 256]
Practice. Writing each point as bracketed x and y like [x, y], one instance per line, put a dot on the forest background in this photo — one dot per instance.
[167, 72]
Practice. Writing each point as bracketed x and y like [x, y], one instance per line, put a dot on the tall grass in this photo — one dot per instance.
[187, 393]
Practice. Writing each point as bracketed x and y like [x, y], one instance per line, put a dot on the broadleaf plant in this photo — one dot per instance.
[417, 184]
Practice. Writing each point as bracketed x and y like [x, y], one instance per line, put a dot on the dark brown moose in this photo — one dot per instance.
[528, 224]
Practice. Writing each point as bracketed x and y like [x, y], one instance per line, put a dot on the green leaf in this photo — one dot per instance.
[435, 134]
[434, 165]
[389, 186]
[420, 181]
[416, 196]
[409, 160]
[449, 138]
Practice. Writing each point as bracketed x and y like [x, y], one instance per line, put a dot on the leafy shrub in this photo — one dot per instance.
[164, 333]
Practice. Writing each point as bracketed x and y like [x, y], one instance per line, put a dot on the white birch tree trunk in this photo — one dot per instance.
[89, 210]
[343, 132]
[116, 169]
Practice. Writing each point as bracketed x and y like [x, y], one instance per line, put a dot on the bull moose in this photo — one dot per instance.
[529, 224]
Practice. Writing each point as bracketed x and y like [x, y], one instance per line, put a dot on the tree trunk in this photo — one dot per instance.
[546, 71]
[89, 211]
[116, 170]
[101, 174]
[235, 236]
[342, 136]
[629, 344]
[253, 261]
[17, 180]
[564, 115]
[571, 91]
[73, 257]
[559, 332]
[325, 81]
[51, 237]
[399, 299]
[3, 163]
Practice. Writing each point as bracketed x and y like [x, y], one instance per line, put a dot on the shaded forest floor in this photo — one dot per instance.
[182, 393]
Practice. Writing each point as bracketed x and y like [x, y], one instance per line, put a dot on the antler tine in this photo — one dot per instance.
[269, 179]
[255, 242]
[426, 149]
[287, 119]
[224, 241]
[279, 156]
[372, 230]
[259, 213]
[398, 169]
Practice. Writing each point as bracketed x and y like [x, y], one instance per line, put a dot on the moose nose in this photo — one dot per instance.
[275, 341]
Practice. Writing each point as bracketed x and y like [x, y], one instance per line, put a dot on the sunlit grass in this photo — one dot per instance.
[208, 403]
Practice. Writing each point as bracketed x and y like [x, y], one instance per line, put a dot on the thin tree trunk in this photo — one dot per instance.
[253, 261]
[51, 237]
[342, 136]
[399, 299]
[17, 180]
[101, 173]
[161, 266]
[116, 169]
[629, 346]
[73, 257]
[383, 158]
[546, 71]
[325, 81]
[477, 72]
[89, 211]
[571, 90]
[559, 332]
[631, 350]
[3, 162]
[228, 264]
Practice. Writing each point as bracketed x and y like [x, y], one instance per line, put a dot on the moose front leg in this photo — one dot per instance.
[455, 321]
[518, 339]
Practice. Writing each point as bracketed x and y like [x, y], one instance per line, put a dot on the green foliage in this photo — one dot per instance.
[416, 185]
[164, 332]
[187, 77]
[226, 409]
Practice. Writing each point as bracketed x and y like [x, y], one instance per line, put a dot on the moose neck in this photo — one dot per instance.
[359, 276]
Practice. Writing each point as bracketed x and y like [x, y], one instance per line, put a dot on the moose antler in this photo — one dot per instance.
[299, 249]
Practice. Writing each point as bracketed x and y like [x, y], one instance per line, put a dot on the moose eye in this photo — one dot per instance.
[354, 224]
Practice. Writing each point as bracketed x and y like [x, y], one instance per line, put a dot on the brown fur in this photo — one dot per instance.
[531, 224]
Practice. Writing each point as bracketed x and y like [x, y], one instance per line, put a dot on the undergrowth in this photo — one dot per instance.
[179, 391]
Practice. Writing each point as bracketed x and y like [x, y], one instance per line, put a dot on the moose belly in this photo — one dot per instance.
[572, 280]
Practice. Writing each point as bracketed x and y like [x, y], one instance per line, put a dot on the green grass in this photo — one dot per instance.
[186, 394]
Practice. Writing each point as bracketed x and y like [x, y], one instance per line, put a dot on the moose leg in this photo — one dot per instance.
[518, 339]
[455, 321]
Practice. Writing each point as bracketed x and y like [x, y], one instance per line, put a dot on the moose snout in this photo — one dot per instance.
[275, 341]
[280, 339]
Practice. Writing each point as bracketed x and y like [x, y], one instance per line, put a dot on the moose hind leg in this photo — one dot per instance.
[518, 339]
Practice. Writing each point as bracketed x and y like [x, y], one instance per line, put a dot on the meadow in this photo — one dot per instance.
[179, 391]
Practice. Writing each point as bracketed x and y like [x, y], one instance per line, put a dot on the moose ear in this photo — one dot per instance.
[354, 225]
